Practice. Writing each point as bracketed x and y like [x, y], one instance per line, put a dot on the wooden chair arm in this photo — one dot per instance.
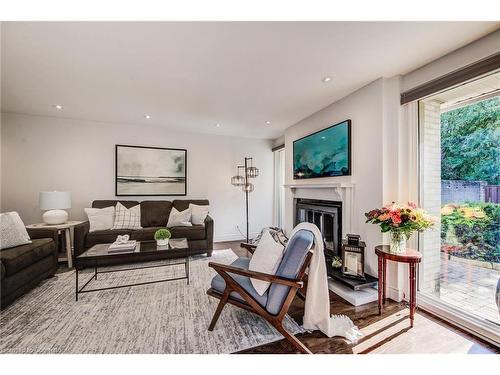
[249, 247]
[224, 268]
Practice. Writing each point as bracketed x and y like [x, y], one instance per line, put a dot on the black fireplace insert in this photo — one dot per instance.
[327, 216]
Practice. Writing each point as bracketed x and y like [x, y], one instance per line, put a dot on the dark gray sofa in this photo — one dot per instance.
[23, 267]
[154, 215]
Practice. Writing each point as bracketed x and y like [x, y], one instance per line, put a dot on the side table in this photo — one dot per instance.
[410, 256]
[67, 228]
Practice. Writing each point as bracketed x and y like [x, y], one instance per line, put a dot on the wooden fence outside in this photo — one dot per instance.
[492, 193]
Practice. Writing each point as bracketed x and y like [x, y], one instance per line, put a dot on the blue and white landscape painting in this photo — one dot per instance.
[150, 171]
[323, 154]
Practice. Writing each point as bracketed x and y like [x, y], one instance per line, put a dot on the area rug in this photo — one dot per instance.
[169, 317]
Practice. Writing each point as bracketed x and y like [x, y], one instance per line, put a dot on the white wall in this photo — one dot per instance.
[364, 108]
[375, 114]
[44, 153]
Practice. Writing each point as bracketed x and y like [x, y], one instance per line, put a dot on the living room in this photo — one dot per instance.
[211, 187]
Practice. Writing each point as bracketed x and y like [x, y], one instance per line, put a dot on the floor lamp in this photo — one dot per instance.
[249, 171]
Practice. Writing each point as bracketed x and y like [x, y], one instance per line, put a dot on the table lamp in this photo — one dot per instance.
[54, 203]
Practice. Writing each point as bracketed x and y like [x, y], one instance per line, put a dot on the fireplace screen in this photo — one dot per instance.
[326, 215]
[343, 264]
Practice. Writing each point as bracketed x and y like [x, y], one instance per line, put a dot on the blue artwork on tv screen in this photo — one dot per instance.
[326, 153]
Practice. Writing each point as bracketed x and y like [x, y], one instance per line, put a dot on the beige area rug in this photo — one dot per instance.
[169, 317]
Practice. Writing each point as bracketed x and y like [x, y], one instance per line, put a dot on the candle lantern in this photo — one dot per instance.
[353, 257]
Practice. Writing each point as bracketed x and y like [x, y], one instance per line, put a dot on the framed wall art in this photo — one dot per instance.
[141, 170]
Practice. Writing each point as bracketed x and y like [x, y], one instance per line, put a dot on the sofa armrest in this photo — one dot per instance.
[80, 234]
[36, 233]
[209, 234]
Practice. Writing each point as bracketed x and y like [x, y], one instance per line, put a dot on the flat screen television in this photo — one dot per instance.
[326, 153]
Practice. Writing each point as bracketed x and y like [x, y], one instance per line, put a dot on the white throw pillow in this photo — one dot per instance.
[127, 218]
[12, 231]
[266, 258]
[100, 218]
[179, 219]
[198, 213]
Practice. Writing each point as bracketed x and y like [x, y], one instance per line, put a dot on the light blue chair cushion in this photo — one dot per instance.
[219, 284]
[293, 259]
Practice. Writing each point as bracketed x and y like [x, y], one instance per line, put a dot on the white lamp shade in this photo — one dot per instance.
[53, 200]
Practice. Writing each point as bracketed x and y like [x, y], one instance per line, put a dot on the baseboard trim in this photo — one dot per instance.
[233, 237]
[394, 293]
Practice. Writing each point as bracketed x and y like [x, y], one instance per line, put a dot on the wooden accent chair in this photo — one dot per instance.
[232, 285]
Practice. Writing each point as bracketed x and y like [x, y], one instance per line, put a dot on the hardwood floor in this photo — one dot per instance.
[388, 333]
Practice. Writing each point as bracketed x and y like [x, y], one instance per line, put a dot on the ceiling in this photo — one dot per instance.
[194, 75]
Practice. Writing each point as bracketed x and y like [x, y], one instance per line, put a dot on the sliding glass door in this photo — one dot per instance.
[460, 184]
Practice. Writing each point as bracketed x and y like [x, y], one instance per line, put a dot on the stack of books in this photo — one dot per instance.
[118, 246]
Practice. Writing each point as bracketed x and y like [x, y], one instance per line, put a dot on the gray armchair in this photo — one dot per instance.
[232, 285]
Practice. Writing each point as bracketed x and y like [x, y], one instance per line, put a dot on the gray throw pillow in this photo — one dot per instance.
[12, 231]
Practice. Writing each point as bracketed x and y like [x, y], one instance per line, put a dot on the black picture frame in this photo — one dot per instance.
[349, 151]
[117, 146]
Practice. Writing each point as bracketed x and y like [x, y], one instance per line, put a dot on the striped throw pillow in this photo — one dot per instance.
[127, 218]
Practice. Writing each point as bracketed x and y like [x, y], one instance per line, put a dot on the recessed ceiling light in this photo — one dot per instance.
[147, 116]
[57, 106]
[268, 122]
[217, 125]
[327, 79]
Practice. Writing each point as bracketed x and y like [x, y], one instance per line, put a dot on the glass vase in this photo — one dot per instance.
[398, 243]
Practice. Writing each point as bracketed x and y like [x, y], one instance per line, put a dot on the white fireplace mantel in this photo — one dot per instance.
[337, 186]
[344, 190]
[321, 185]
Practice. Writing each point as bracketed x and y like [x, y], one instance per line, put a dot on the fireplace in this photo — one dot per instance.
[327, 216]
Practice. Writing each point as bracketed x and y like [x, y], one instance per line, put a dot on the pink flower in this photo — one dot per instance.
[390, 207]
[396, 217]
[412, 205]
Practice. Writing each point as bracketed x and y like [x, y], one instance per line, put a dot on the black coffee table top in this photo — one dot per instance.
[102, 249]
[99, 254]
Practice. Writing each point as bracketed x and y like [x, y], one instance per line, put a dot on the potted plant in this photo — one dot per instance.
[161, 236]
[401, 220]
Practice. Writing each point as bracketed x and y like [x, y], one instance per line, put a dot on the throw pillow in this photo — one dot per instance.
[100, 218]
[266, 258]
[12, 231]
[127, 218]
[179, 219]
[275, 232]
[198, 213]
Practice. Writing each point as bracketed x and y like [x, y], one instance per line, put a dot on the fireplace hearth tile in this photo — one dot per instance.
[354, 297]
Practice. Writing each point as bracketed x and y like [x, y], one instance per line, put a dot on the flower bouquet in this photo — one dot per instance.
[401, 220]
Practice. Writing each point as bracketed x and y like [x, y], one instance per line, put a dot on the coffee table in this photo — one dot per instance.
[146, 251]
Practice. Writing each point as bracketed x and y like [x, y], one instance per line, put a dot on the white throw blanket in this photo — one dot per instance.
[317, 306]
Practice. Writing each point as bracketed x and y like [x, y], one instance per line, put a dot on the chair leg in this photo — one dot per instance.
[292, 339]
[220, 306]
